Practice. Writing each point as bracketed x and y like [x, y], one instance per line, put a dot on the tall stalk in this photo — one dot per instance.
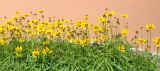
[150, 36]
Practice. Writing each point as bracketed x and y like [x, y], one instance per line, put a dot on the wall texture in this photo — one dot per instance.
[140, 11]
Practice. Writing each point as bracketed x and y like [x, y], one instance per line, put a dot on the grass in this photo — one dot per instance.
[70, 57]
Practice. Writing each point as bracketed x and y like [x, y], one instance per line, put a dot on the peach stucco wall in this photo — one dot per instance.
[140, 11]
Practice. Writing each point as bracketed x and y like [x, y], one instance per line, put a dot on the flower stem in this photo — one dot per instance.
[150, 40]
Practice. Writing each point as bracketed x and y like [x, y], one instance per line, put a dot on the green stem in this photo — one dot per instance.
[150, 39]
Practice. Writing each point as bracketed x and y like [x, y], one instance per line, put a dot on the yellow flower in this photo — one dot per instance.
[71, 31]
[31, 35]
[95, 29]
[26, 15]
[45, 43]
[124, 15]
[17, 12]
[79, 24]
[86, 17]
[45, 50]
[57, 34]
[77, 41]
[125, 32]
[27, 30]
[10, 22]
[150, 26]
[101, 29]
[18, 55]
[110, 14]
[1, 19]
[15, 17]
[40, 11]
[156, 41]
[104, 37]
[102, 20]
[2, 41]
[95, 40]
[68, 38]
[30, 24]
[121, 48]
[141, 41]
[1, 29]
[35, 53]
[46, 23]
[66, 21]
[62, 28]
[48, 32]
[21, 40]
[18, 49]
[147, 48]
[84, 42]
[87, 24]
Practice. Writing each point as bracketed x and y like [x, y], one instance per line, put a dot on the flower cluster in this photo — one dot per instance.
[34, 26]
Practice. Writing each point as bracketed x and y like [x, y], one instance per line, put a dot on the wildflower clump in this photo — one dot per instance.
[32, 41]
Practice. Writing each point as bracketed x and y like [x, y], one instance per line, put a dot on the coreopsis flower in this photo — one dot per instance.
[84, 42]
[121, 48]
[125, 32]
[69, 38]
[95, 40]
[141, 41]
[62, 28]
[58, 33]
[87, 24]
[27, 30]
[10, 22]
[102, 20]
[35, 21]
[17, 34]
[40, 11]
[156, 41]
[86, 17]
[104, 37]
[150, 26]
[2, 41]
[31, 35]
[77, 41]
[71, 31]
[18, 55]
[15, 18]
[66, 21]
[110, 14]
[46, 23]
[95, 29]
[1, 29]
[26, 15]
[45, 42]
[48, 32]
[147, 48]
[79, 24]
[46, 50]
[1, 19]
[30, 24]
[21, 40]
[35, 53]
[17, 12]
[18, 49]
[108, 29]
[124, 15]
[101, 29]
[9, 28]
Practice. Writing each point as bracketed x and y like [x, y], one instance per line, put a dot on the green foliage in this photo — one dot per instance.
[71, 57]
